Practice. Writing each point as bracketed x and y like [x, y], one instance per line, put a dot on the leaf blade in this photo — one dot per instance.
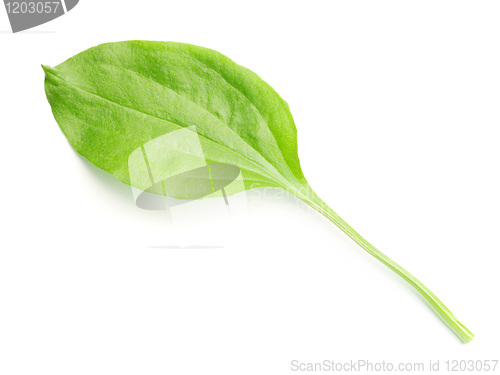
[87, 71]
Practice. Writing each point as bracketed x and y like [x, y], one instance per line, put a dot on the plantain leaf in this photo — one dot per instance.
[120, 104]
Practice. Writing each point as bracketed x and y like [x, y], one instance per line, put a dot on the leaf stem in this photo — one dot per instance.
[439, 307]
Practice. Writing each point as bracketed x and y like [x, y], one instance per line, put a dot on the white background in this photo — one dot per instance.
[397, 109]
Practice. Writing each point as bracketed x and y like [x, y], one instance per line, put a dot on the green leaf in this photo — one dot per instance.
[116, 101]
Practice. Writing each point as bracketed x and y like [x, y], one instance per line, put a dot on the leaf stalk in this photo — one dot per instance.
[439, 307]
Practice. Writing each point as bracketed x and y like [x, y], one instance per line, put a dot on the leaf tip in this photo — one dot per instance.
[47, 69]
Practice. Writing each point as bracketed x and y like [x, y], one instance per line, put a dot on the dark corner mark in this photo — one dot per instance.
[26, 14]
